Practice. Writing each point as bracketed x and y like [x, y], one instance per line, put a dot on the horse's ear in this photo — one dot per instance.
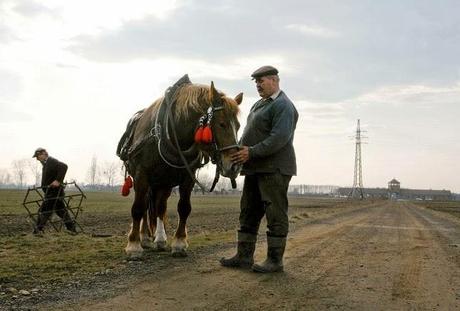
[239, 98]
[214, 96]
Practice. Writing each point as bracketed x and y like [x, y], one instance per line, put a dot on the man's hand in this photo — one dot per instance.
[55, 184]
[241, 156]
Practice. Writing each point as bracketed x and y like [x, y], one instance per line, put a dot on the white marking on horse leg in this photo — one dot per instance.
[160, 242]
[134, 248]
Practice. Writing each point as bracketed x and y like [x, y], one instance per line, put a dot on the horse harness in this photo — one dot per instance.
[170, 150]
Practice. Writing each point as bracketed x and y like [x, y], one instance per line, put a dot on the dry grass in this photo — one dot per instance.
[26, 260]
[56, 257]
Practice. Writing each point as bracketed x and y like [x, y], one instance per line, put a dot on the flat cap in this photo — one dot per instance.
[264, 71]
[38, 151]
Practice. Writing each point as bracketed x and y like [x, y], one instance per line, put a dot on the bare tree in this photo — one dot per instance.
[205, 179]
[19, 171]
[93, 172]
[5, 177]
[36, 169]
[109, 172]
[224, 184]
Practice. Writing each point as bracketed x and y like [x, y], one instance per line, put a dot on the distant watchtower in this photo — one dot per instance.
[394, 186]
[394, 189]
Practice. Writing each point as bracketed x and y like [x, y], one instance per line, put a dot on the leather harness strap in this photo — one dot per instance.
[160, 133]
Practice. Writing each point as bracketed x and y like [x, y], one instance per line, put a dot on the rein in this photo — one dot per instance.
[215, 154]
[176, 141]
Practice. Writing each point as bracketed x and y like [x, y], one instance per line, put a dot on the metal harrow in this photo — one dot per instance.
[73, 200]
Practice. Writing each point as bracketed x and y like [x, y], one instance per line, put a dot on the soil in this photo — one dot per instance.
[374, 256]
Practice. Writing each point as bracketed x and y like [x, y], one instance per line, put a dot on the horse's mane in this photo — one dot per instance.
[193, 98]
[189, 98]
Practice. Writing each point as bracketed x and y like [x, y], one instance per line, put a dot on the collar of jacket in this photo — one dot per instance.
[261, 102]
[275, 95]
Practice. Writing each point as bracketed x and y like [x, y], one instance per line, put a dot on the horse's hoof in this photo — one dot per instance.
[147, 244]
[178, 253]
[134, 250]
[134, 255]
[160, 246]
[134, 259]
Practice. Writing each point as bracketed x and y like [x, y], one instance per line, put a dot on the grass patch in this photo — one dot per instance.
[450, 207]
[211, 239]
[28, 260]
[11, 202]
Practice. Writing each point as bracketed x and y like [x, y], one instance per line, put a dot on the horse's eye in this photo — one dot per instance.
[222, 124]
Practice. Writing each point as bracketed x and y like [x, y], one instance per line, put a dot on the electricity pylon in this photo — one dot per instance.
[357, 189]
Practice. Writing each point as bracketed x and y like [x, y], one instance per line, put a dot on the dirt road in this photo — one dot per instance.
[386, 256]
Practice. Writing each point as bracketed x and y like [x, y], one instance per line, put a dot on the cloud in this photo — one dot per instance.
[202, 30]
[392, 64]
[30, 8]
[10, 115]
[5, 33]
[14, 15]
[312, 30]
[10, 84]
[418, 95]
[368, 44]
[66, 66]
[312, 107]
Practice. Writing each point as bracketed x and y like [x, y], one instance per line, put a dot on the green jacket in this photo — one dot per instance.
[269, 133]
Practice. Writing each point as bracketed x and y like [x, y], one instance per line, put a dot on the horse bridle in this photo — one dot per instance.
[216, 152]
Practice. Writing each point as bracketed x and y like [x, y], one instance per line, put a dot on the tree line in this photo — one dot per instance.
[100, 176]
[25, 173]
[109, 176]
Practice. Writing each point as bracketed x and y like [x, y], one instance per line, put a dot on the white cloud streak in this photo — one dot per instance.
[312, 30]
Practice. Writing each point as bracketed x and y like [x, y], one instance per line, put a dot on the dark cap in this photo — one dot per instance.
[38, 151]
[264, 71]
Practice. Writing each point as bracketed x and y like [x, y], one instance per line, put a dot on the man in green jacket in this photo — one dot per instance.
[269, 162]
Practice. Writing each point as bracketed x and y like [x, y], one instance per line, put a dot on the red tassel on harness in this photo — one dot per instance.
[199, 135]
[127, 186]
[207, 135]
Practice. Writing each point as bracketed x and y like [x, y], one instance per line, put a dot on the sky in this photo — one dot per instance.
[73, 72]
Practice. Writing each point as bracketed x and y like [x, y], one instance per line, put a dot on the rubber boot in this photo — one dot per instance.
[68, 222]
[275, 252]
[41, 221]
[244, 257]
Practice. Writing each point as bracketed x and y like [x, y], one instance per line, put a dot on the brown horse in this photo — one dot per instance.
[167, 155]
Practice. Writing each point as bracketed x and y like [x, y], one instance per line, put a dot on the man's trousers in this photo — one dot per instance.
[265, 194]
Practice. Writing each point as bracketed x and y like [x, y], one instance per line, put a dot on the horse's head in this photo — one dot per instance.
[224, 125]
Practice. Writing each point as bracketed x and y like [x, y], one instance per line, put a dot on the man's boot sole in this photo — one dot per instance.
[261, 269]
[225, 263]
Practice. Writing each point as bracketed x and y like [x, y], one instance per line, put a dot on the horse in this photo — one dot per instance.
[166, 153]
